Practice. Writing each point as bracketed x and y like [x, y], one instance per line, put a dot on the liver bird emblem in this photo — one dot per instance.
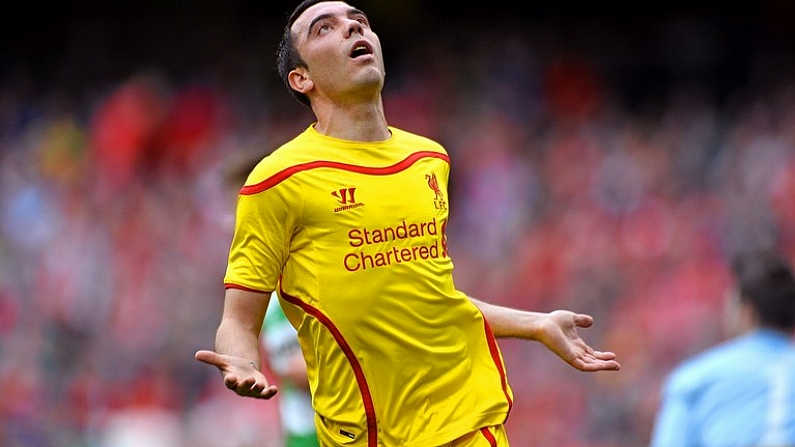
[433, 183]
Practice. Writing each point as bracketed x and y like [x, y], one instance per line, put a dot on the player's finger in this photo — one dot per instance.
[596, 365]
[246, 384]
[233, 383]
[604, 355]
[246, 387]
[262, 391]
[250, 387]
[268, 392]
[610, 365]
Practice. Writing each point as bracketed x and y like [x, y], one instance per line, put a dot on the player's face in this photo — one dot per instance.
[341, 51]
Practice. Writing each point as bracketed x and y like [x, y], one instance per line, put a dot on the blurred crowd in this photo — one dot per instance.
[115, 223]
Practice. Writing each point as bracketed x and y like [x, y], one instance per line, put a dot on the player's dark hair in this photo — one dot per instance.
[287, 57]
[766, 280]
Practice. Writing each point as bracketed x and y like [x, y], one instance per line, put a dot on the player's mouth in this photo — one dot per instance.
[361, 48]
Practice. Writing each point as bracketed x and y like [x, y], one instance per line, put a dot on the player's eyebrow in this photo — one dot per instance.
[356, 12]
[350, 13]
[314, 21]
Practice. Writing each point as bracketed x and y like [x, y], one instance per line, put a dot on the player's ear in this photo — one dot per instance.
[300, 80]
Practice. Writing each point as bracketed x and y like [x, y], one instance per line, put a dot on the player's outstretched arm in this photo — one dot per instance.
[557, 330]
[237, 350]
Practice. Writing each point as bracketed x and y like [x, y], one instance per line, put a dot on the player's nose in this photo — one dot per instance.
[354, 27]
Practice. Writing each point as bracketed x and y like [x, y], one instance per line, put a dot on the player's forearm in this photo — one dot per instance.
[237, 340]
[241, 323]
[511, 323]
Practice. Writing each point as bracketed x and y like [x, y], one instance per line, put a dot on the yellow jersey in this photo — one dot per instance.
[352, 235]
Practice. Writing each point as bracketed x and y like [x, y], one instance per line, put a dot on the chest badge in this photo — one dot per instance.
[439, 201]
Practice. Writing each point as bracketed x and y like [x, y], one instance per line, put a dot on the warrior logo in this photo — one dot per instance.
[346, 198]
[345, 195]
[438, 199]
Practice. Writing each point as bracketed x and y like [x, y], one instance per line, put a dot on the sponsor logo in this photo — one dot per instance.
[402, 243]
[346, 198]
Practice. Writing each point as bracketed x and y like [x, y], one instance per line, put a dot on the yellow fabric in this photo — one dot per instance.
[352, 234]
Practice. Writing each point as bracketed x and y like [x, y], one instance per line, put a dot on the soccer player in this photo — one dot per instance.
[741, 392]
[347, 221]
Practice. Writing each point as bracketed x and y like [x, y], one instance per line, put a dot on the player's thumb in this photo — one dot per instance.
[583, 320]
[209, 357]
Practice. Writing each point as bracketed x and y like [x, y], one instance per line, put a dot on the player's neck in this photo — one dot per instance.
[355, 122]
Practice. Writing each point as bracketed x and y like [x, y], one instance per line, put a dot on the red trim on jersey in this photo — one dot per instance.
[487, 434]
[230, 285]
[364, 389]
[495, 355]
[284, 174]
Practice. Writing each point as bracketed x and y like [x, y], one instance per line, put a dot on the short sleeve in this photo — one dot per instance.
[260, 245]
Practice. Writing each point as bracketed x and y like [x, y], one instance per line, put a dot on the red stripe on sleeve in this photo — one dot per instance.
[230, 285]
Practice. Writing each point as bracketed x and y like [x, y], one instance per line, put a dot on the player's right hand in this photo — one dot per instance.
[240, 374]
